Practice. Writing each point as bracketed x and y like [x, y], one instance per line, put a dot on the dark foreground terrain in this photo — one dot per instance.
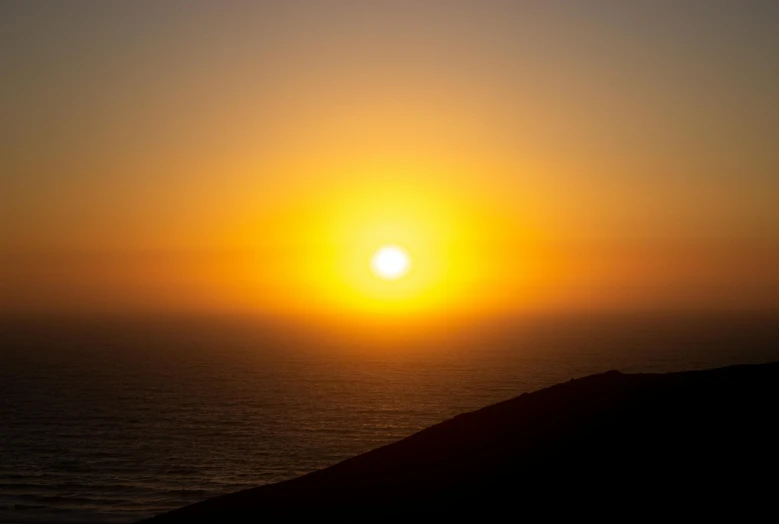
[694, 443]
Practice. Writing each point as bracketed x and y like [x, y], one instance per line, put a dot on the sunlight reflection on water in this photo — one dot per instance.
[114, 421]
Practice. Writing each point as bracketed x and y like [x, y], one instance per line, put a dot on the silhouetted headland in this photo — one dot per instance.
[698, 442]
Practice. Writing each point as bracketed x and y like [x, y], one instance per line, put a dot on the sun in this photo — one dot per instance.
[390, 262]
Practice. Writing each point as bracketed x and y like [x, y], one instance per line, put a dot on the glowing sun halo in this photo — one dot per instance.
[390, 262]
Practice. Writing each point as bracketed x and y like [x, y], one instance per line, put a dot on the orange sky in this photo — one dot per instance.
[218, 156]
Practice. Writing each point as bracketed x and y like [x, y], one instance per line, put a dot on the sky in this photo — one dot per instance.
[250, 156]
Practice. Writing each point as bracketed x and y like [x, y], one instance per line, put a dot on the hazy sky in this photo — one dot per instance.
[213, 155]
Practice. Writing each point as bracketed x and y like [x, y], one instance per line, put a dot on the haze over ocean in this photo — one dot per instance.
[114, 420]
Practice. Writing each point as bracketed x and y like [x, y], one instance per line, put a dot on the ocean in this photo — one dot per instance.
[115, 419]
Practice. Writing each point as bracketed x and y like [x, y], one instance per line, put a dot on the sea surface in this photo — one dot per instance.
[116, 419]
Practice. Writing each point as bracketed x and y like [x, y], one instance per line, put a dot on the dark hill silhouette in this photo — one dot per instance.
[696, 443]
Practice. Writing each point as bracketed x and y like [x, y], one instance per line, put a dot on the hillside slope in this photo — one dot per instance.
[701, 441]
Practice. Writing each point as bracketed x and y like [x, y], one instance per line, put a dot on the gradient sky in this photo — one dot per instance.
[213, 155]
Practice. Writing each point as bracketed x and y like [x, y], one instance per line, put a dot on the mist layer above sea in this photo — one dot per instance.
[114, 419]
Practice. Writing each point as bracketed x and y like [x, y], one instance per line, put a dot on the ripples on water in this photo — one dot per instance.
[113, 421]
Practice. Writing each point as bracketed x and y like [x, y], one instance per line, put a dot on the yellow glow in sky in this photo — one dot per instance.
[256, 158]
[381, 249]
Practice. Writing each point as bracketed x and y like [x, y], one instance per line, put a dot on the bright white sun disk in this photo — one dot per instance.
[390, 262]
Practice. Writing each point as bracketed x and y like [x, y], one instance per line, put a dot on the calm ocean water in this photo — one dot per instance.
[115, 420]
